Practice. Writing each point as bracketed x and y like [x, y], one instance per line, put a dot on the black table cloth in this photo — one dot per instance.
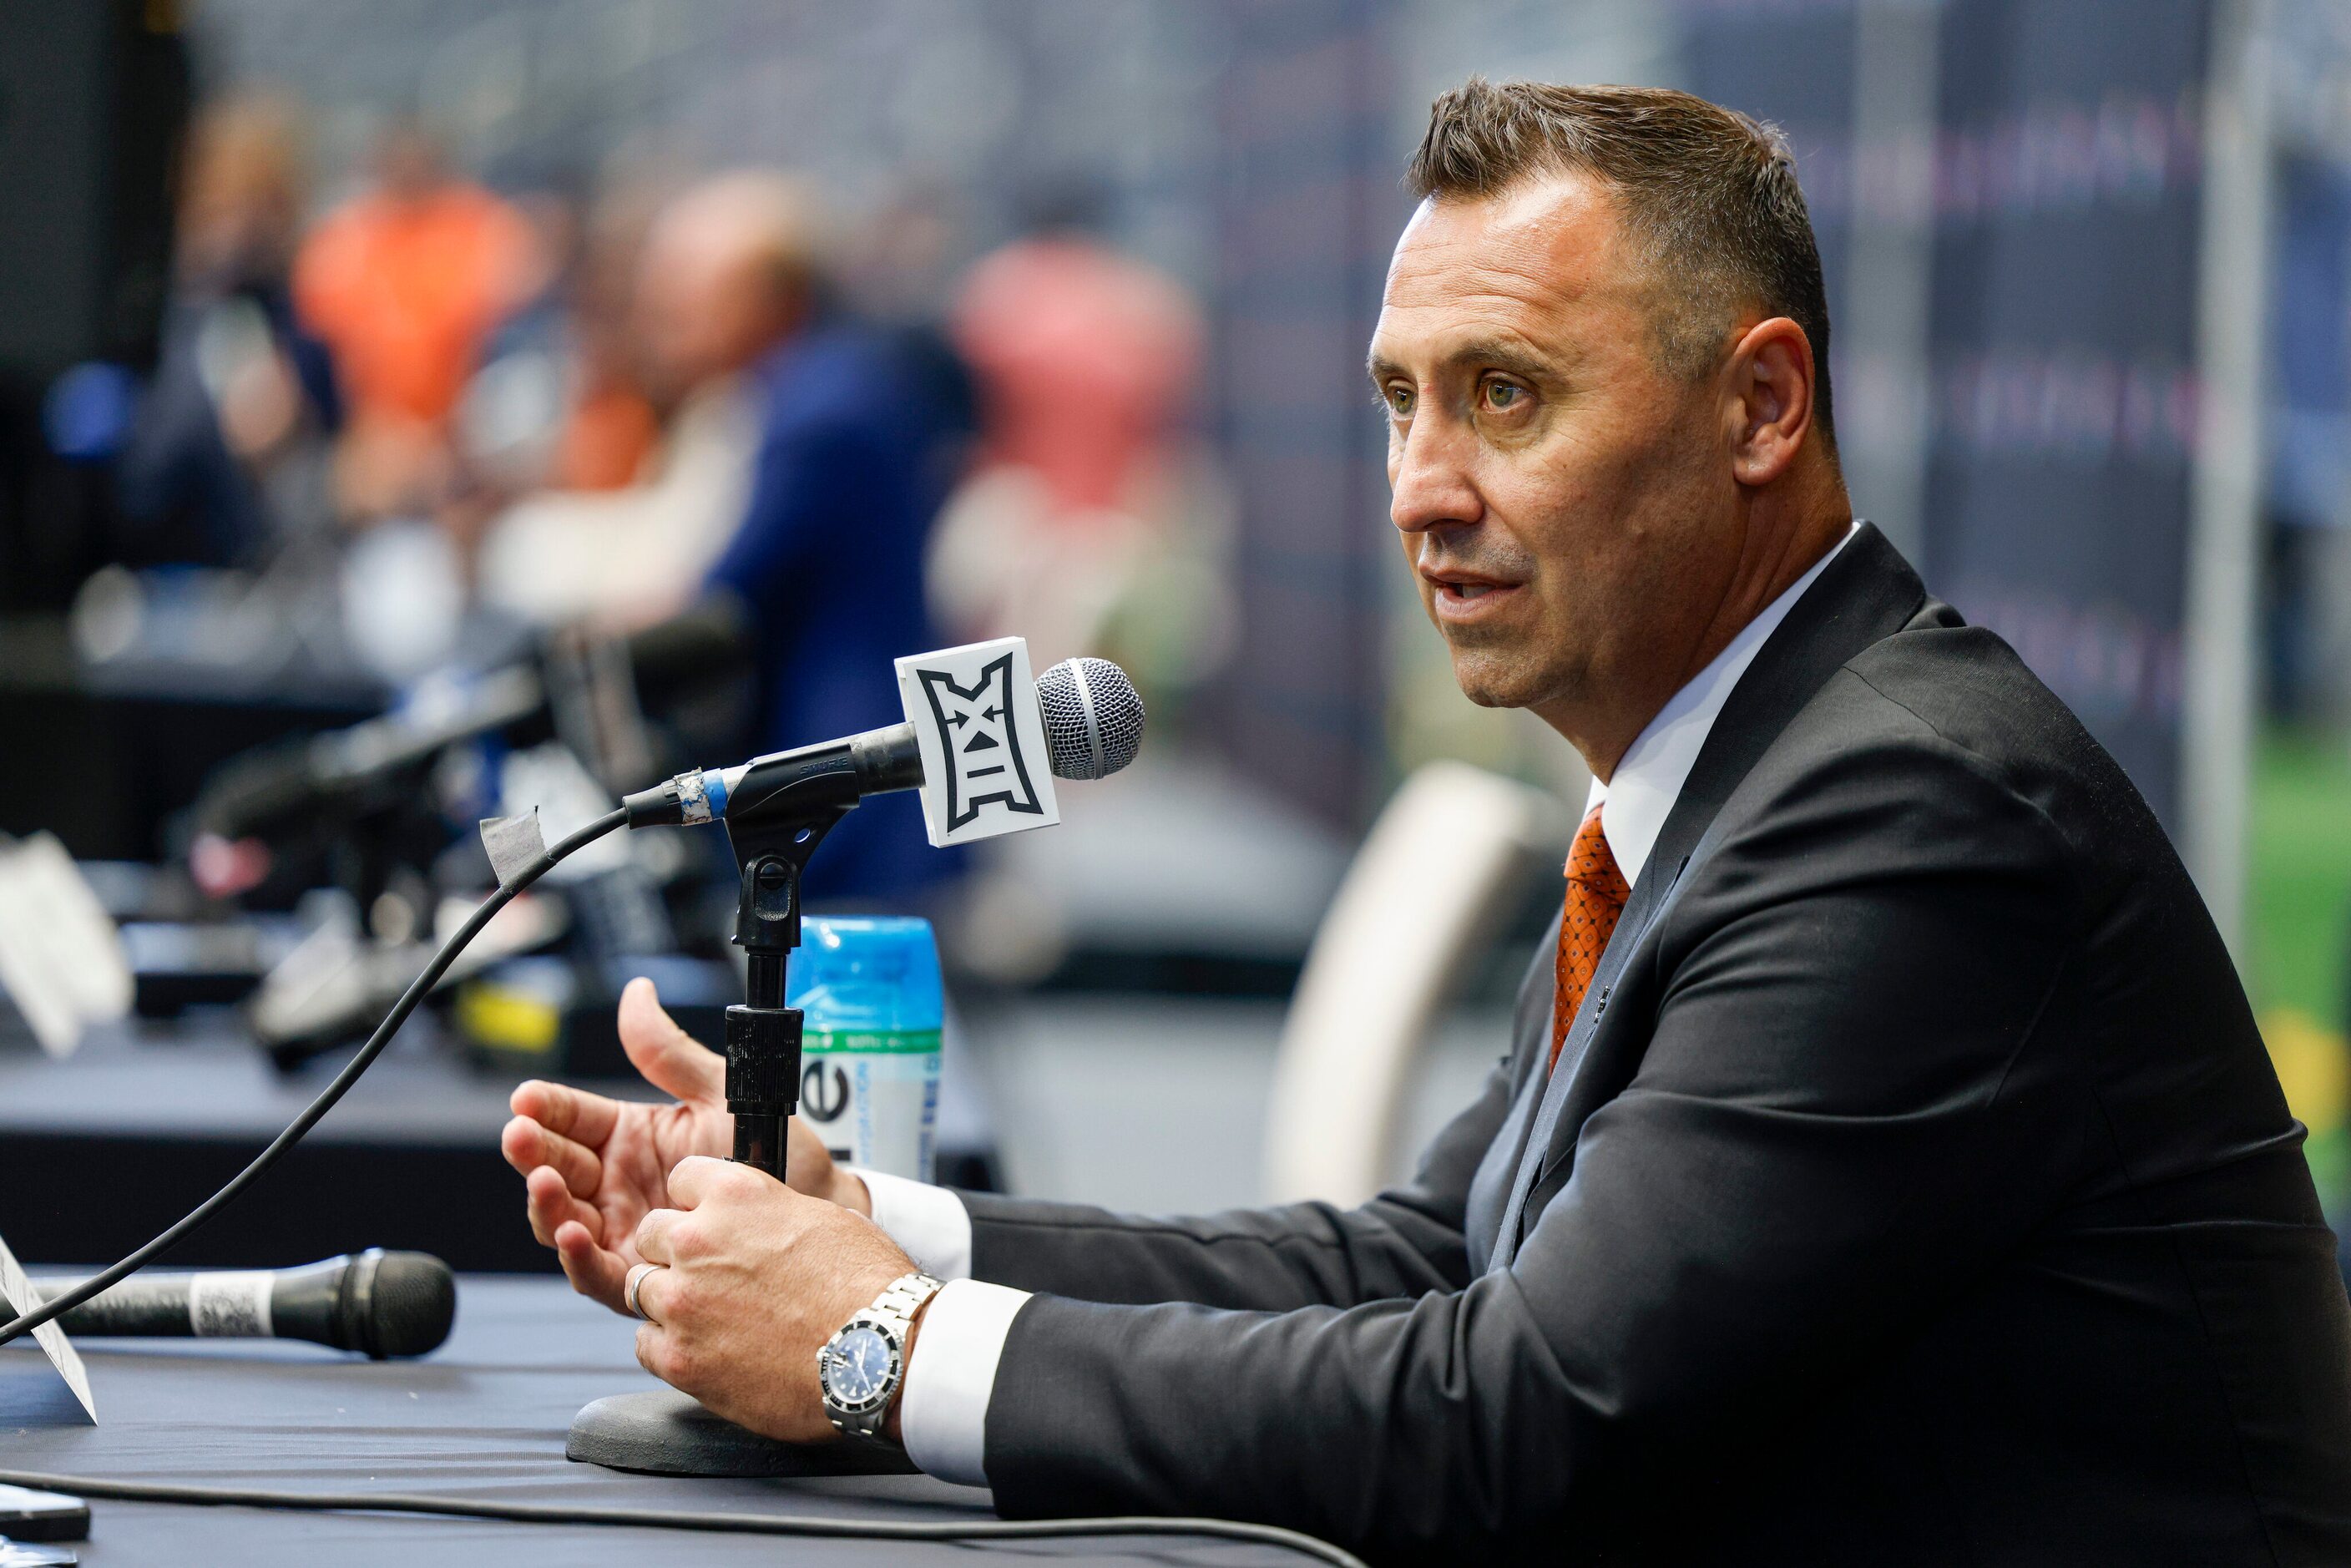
[485, 1417]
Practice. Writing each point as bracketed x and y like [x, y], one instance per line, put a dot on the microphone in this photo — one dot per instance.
[287, 787]
[1094, 727]
[379, 1303]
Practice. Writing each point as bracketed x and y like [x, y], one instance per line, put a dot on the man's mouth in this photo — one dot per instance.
[1461, 595]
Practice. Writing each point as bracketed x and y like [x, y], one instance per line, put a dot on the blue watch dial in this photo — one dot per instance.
[858, 1367]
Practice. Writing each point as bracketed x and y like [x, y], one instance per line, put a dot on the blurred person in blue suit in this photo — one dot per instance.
[829, 557]
[805, 457]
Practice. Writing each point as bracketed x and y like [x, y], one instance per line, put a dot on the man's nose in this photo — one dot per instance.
[1430, 487]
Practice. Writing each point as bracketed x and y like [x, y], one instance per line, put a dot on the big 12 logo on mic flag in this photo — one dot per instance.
[985, 767]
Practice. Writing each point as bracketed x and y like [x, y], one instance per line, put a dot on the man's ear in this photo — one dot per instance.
[1771, 399]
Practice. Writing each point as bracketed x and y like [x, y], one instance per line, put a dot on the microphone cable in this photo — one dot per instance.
[425, 980]
[977, 1531]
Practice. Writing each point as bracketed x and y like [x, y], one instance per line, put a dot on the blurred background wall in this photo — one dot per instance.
[2006, 193]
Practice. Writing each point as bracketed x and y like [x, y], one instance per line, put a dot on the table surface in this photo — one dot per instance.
[485, 1417]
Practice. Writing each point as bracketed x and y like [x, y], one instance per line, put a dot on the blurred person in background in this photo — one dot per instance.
[558, 403]
[718, 282]
[828, 558]
[225, 457]
[612, 432]
[1087, 362]
[406, 283]
[803, 474]
[897, 272]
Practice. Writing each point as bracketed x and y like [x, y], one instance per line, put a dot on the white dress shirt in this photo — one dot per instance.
[943, 1414]
[1635, 801]
[944, 1411]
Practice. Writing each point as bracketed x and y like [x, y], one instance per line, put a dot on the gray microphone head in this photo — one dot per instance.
[403, 1304]
[1093, 717]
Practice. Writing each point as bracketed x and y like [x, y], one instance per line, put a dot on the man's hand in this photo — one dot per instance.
[593, 1167]
[758, 1278]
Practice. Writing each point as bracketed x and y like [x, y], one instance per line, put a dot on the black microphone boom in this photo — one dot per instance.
[1093, 727]
[379, 1303]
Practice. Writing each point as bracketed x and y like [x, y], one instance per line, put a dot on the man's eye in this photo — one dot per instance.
[1400, 400]
[1503, 395]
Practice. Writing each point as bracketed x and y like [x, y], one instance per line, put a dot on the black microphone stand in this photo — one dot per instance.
[664, 1432]
[763, 1035]
[774, 829]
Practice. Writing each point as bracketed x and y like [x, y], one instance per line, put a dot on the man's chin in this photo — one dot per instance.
[1488, 686]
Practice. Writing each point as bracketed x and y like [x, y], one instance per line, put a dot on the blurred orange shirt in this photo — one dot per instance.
[405, 292]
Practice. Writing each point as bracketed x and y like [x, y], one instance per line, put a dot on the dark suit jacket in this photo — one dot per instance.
[1913, 1188]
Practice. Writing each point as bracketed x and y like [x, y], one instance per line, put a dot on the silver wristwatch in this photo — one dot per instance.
[860, 1367]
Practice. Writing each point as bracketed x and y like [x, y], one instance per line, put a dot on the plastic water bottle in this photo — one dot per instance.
[869, 987]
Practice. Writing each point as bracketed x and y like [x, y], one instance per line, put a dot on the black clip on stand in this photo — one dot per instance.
[763, 1035]
[665, 1432]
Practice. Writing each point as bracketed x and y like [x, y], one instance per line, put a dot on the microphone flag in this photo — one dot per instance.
[982, 735]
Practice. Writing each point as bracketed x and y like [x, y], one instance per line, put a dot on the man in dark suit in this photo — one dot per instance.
[1885, 1167]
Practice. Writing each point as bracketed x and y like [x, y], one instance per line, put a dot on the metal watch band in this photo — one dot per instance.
[903, 1299]
[894, 1311]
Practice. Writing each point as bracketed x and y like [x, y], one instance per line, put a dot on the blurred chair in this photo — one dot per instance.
[1432, 878]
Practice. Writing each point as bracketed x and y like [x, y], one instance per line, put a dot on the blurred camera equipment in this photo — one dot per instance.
[285, 789]
[363, 794]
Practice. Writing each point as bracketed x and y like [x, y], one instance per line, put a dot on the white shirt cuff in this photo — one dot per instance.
[943, 1414]
[930, 1223]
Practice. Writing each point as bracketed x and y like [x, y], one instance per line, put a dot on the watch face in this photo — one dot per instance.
[857, 1369]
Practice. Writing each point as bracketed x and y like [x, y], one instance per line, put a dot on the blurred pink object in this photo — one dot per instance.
[1085, 361]
[222, 868]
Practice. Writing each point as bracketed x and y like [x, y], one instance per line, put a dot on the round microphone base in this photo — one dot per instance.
[665, 1433]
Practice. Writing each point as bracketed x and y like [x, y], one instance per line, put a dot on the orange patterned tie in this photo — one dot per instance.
[1595, 897]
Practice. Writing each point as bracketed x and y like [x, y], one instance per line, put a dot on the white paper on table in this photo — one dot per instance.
[61, 960]
[24, 1296]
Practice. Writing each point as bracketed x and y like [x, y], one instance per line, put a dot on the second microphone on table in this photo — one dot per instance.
[379, 1303]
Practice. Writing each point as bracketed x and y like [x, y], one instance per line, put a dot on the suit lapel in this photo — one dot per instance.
[1555, 1089]
[1489, 1189]
[1863, 596]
